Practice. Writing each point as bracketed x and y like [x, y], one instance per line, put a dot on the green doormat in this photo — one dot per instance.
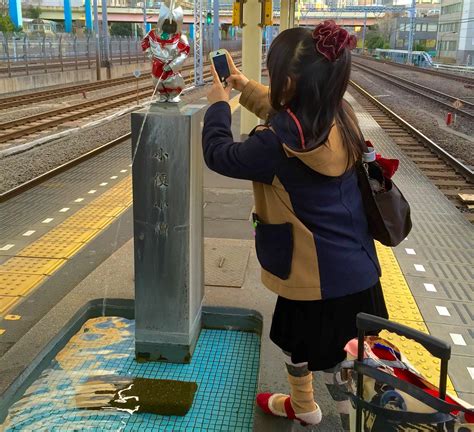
[155, 396]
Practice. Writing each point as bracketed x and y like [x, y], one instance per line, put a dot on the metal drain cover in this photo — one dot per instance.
[225, 261]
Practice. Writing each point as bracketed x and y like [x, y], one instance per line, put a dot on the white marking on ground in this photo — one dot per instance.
[123, 171]
[471, 372]
[113, 177]
[419, 267]
[92, 191]
[79, 200]
[430, 287]
[7, 247]
[443, 311]
[457, 339]
[103, 184]
[28, 233]
[64, 210]
[48, 220]
[410, 251]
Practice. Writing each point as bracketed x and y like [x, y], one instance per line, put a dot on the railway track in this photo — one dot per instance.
[454, 179]
[455, 77]
[443, 99]
[43, 95]
[25, 126]
[451, 176]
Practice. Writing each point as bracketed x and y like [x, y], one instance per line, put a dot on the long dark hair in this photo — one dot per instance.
[317, 90]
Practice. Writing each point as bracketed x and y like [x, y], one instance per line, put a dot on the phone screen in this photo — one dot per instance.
[222, 67]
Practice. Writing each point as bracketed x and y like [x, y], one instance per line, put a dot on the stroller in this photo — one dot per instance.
[388, 394]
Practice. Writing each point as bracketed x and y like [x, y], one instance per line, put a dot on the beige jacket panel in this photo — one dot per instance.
[329, 159]
[255, 97]
[273, 206]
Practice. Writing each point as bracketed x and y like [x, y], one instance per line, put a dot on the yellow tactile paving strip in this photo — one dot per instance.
[403, 309]
[32, 265]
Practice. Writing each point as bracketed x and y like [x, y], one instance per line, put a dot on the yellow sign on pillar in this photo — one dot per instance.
[237, 13]
[267, 12]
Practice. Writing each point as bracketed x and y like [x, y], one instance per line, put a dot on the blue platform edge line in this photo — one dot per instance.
[213, 317]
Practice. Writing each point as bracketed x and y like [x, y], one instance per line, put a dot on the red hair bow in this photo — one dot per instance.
[330, 40]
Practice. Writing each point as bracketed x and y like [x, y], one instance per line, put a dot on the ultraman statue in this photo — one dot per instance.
[168, 50]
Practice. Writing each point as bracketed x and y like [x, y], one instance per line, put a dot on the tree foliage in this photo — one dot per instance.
[420, 47]
[33, 12]
[374, 39]
[6, 24]
[121, 29]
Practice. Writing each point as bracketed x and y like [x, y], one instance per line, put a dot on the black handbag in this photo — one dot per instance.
[387, 210]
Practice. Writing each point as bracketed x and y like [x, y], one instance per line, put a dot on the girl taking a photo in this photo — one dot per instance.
[312, 237]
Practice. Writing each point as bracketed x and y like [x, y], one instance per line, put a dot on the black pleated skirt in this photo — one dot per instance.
[317, 331]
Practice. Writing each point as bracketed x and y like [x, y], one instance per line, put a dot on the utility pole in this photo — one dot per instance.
[411, 35]
[363, 32]
[97, 40]
[105, 39]
[215, 42]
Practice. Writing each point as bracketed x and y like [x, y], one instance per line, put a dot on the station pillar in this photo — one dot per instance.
[251, 56]
[14, 10]
[168, 230]
[67, 16]
[284, 15]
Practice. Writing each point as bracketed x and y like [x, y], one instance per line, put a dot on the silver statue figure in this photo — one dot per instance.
[168, 49]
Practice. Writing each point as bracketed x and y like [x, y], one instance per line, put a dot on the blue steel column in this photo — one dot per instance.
[88, 12]
[14, 10]
[67, 16]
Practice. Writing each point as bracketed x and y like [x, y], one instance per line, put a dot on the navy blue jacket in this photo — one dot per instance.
[312, 238]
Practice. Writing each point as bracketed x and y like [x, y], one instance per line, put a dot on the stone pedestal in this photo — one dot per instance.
[168, 230]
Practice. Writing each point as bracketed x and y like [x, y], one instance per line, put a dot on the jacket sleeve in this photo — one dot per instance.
[255, 97]
[255, 159]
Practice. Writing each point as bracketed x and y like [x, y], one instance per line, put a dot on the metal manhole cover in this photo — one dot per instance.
[225, 261]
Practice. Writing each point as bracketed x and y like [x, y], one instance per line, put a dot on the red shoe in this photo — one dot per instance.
[264, 401]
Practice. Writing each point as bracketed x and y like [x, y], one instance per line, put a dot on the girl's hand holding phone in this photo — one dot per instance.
[237, 79]
[218, 93]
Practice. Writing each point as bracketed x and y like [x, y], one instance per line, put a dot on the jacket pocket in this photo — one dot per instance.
[274, 245]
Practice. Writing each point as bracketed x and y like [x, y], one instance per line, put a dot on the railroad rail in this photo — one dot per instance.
[455, 77]
[421, 90]
[451, 176]
[25, 126]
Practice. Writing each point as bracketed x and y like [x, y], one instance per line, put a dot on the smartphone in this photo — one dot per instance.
[219, 60]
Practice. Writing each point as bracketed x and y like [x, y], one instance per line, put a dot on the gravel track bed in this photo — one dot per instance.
[11, 114]
[442, 84]
[19, 168]
[426, 119]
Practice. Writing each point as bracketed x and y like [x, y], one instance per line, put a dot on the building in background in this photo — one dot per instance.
[456, 31]
[426, 29]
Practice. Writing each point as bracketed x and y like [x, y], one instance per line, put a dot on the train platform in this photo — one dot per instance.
[68, 242]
